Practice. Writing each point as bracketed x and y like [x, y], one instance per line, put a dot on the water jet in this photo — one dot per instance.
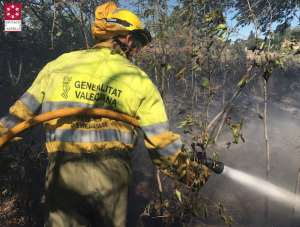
[263, 187]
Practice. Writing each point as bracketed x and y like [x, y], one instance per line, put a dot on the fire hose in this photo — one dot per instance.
[214, 165]
[79, 111]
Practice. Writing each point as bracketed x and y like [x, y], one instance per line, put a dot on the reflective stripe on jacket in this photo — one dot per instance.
[96, 78]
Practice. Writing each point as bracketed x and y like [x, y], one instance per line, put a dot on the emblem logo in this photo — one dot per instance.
[13, 17]
[66, 87]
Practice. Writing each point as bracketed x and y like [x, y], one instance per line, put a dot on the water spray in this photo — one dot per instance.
[263, 187]
[214, 165]
[259, 185]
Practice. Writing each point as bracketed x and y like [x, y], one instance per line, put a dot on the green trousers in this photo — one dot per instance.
[87, 189]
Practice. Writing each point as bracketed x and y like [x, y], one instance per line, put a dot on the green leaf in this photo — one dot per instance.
[164, 203]
[283, 47]
[224, 216]
[262, 43]
[241, 124]
[215, 155]
[199, 123]
[208, 18]
[243, 82]
[4, 192]
[220, 26]
[151, 62]
[276, 62]
[207, 136]
[235, 132]
[153, 66]
[205, 84]
[239, 83]
[185, 24]
[183, 13]
[195, 211]
[182, 124]
[268, 72]
[283, 54]
[236, 140]
[222, 32]
[168, 68]
[138, 62]
[178, 195]
[205, 210]
[211, 141]
[228, 120]
[195, 67]
[194, 55]
[223, 37]
[229, 221]
[58, 34]
[163, 65]
[116, 50]
[195, 50]
[220, 208]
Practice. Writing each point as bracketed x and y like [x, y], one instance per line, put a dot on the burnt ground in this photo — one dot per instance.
[244, 205]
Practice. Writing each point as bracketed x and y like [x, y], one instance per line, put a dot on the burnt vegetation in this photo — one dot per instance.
[213, 84]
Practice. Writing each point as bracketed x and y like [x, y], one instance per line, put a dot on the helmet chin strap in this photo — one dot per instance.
[124, 47]
[135, 43]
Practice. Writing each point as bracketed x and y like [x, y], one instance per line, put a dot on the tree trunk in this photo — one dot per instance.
[268, 148]
[296, 190]
[193, 47]
[163, 50]
[156, 21]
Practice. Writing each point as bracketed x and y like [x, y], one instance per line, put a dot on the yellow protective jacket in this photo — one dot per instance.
[96, 78]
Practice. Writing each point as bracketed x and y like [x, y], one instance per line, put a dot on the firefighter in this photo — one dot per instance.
[89, 174]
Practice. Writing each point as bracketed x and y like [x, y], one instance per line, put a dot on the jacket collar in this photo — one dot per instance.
[107, 46]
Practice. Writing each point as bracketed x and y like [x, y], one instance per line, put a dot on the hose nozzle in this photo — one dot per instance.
[214, 165]
[217, 167]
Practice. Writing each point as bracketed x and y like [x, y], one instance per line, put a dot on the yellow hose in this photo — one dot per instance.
[64, 113]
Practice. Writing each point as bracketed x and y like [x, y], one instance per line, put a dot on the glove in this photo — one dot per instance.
[196, 178]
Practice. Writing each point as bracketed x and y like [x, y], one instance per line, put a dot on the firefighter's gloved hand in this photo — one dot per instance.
[196, 177]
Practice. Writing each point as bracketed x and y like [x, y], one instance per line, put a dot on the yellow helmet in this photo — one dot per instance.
[112, 21]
